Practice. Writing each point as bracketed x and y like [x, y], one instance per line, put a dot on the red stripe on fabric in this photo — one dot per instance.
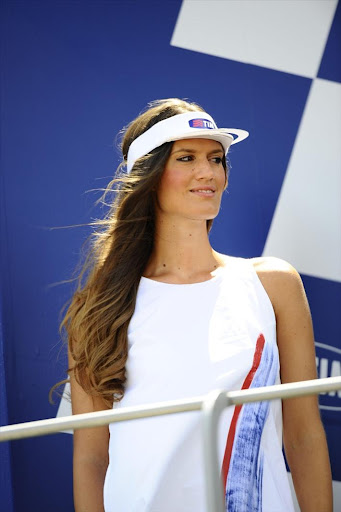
[232, 431]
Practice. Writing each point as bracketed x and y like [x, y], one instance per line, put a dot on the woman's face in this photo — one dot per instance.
[193, 180]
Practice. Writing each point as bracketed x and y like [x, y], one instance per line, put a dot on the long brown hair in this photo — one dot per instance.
[98, 316]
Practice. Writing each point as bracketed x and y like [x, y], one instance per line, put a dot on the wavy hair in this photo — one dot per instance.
[96, 321]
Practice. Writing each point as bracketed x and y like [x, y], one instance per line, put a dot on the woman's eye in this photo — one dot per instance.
[189, 158]
[186, 158]
[218, 160]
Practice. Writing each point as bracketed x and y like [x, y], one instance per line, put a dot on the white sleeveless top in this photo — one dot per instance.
[186, 340]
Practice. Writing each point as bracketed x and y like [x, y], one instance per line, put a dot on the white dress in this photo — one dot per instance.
[186, 340]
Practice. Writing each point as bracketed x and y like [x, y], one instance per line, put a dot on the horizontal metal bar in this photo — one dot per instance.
[285, 391]
[95, 419]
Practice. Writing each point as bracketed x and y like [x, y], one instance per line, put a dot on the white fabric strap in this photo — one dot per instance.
[182, 126]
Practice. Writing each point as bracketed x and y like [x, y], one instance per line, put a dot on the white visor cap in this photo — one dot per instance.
[191, 125]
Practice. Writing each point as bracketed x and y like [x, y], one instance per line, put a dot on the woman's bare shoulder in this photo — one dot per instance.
[280, 279]
[270, 264]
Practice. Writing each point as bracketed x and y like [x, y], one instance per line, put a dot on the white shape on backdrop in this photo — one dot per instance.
[65, 408]
[281, 35]
[305, 228]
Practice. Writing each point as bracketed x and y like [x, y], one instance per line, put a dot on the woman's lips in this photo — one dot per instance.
[203, 191]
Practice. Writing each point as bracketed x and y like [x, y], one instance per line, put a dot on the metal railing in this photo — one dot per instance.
[211, 406]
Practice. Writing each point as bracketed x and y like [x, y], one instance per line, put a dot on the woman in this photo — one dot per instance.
[160, 315]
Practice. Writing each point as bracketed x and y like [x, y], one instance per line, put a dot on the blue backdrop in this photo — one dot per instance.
[74, 73]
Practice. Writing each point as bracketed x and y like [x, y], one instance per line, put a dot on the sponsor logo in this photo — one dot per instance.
[328, 362]
[201, 123]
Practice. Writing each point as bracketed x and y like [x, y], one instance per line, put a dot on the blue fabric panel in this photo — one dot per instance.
[6, 498]
[74, 74]
[330, 68]
[325, 298]
[6, 494]
[42, 475]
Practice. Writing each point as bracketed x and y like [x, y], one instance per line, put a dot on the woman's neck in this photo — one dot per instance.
[182, 253]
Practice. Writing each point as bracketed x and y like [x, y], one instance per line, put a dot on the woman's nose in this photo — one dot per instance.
[204, 169]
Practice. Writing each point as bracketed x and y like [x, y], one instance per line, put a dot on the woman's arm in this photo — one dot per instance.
[304, 438]
[90, 453]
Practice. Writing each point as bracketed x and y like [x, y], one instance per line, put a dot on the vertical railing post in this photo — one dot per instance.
[212, 408]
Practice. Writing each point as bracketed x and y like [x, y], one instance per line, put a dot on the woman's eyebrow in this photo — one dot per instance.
[187, 150]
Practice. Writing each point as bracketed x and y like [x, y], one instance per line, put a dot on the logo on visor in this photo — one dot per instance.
[201, 123]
